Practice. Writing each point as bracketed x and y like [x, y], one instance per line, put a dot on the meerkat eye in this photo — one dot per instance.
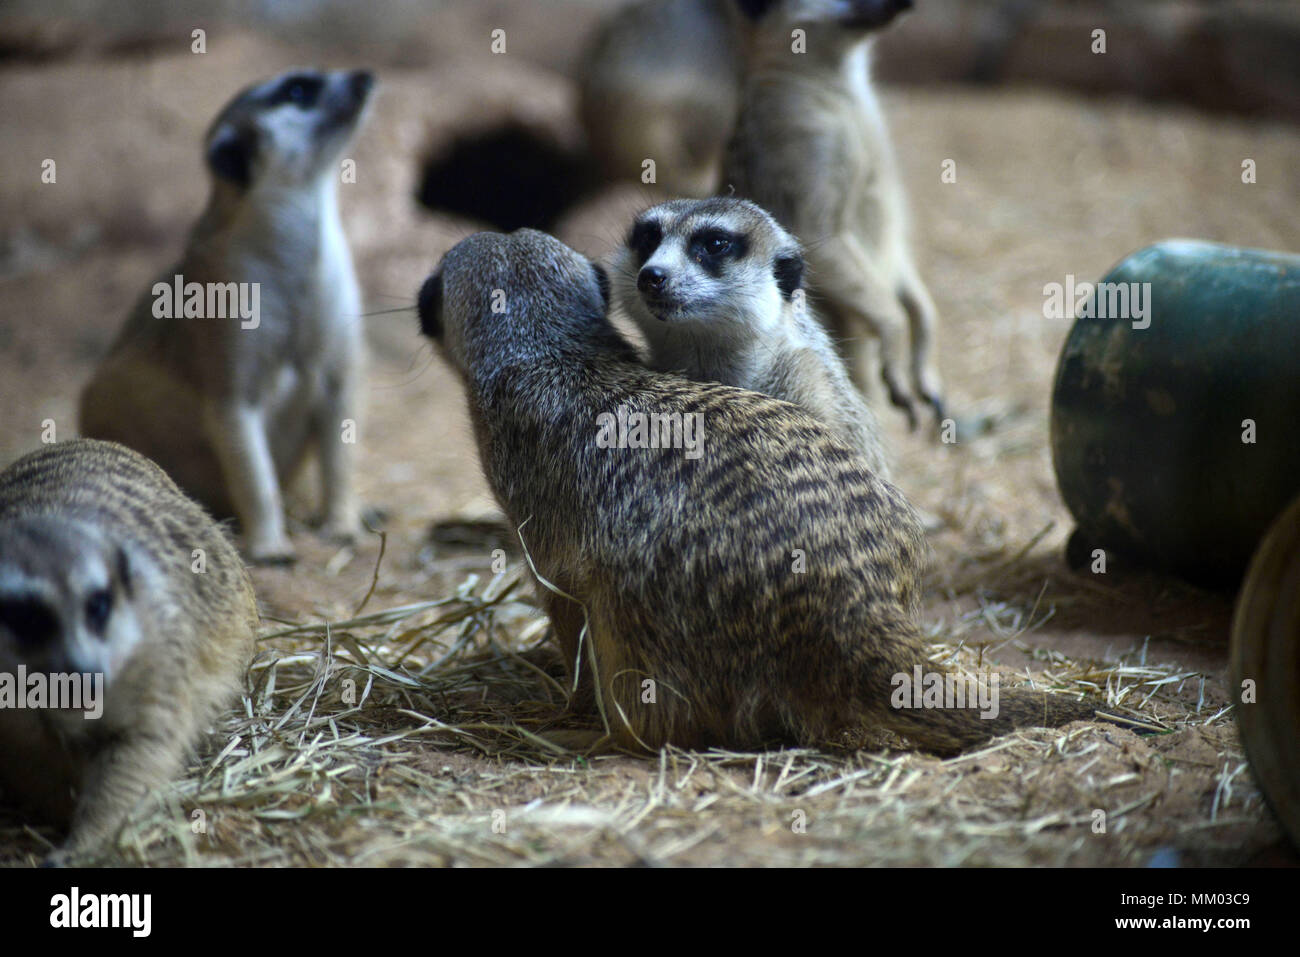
[712, 245]
[301, 91]
[98, 607]
[644, 239]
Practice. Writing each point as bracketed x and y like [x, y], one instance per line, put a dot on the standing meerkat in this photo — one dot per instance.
[229, 405]
[106, 568]
[716, 287]
[660, 80]
[811, 147]
[758, 575]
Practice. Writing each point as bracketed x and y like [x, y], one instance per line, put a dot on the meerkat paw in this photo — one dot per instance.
[342, 529]
[278, 551]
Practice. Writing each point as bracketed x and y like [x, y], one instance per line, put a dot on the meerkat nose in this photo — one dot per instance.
[652, 279]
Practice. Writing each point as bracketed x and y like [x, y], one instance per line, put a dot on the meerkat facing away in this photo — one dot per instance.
[811, 147]
[715, 285]
[660, 80]
[745, 562]
[230, 405]
[107, 568]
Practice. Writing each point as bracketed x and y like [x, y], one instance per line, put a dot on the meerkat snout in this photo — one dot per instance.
[708, 261]
[652, 281]
[288, 130]
[65, 597]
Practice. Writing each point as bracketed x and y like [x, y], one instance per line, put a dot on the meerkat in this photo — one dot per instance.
[230, 405]
[811, 147]
[108, 569]
[660, 80]
[716, 288]
[751, 581]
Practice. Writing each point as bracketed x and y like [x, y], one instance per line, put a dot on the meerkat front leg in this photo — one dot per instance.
[237, 432]
[120, 776]
[853, 290]
[336, 428]
[922, 320]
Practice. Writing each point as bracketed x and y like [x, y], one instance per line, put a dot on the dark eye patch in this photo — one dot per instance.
[644, 239]
[32, 622]
[301, 89]
[712, 247]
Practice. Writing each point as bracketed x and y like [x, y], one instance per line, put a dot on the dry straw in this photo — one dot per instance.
[417, 735]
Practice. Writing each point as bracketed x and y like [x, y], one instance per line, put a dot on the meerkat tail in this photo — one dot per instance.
[982, 709]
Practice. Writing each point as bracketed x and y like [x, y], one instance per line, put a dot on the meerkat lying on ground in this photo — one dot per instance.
[811, 147]
[229, 405]
[660, 80]
[716, 287]
[107, 569]
[733, 574]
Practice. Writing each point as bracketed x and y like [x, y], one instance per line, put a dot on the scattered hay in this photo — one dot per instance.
[414, 736]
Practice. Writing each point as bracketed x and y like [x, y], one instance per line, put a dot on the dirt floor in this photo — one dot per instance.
[441, 765]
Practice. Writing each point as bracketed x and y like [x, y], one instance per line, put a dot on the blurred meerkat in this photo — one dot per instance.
[811, 147]
[660, 80]
[230, 406]
[106, 568]
[751, 568]
[716, 287]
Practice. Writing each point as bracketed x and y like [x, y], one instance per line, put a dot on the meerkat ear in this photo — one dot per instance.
[230, 155]
[429, 306]
[756, 9]
[788, 271]
[602, 280]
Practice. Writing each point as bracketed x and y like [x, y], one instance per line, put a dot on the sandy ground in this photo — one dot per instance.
[1047, 185]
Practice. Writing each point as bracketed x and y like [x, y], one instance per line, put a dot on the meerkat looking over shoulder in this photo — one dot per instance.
[716, 287]
[755, 572]
[229, 405]
[107, 569]
[811, 147]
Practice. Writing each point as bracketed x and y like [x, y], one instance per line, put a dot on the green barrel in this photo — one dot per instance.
[1150, 436]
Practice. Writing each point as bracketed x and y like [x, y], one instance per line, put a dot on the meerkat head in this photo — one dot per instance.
[495, 296]
[289, 131]
[66, 598]
[848, 17]
[719, 263]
